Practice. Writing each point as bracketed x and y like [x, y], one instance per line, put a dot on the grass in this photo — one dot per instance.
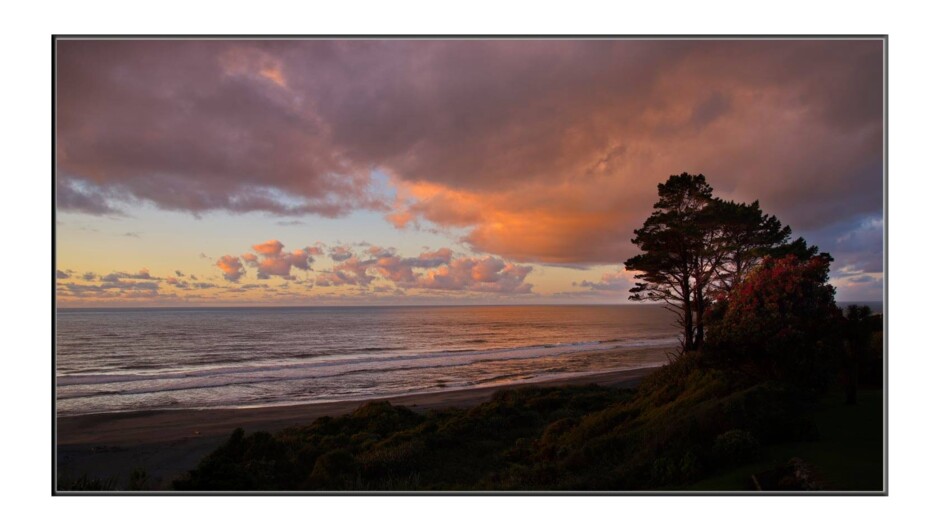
[848, 454]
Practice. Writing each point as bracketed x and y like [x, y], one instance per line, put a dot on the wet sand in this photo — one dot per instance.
[167, 443]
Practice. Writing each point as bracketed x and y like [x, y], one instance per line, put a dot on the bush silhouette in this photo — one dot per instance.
[781, 322]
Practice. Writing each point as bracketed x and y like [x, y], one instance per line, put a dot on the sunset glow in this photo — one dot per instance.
[320, 172]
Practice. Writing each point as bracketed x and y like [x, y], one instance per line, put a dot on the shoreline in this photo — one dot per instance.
[128, 427]
[537, 380]
[166, 443]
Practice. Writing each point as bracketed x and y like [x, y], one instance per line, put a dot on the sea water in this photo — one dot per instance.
[146, 359]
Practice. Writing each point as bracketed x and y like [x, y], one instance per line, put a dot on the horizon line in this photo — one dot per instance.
[359, 306]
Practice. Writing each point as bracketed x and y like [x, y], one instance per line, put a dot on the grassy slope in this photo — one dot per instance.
[848, 454]
[662, 436]
[381, 447]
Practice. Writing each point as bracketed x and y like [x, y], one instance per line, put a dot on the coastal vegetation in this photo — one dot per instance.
[773, 388]
[690, 425]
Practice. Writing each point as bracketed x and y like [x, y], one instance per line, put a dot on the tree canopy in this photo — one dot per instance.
[695, 245]
[781, 320]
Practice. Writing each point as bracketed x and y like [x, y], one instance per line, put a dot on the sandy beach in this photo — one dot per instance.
[169, 442]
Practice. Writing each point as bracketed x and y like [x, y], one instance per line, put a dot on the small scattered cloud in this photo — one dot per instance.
[486, 274]
[270, 260]
[360, 265]
[612, 286]
[340, 253]
[352, 271]
[177, 282]
[619, 282]
[231, 267]
[269, 248]
[143, 274]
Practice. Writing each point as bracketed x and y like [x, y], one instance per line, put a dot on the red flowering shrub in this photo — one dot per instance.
[781, 321]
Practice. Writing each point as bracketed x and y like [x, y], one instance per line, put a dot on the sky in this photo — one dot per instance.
[330, 172]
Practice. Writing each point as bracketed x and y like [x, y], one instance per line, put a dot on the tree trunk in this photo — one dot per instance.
[699, 329]
[699, 319]
[699, 322]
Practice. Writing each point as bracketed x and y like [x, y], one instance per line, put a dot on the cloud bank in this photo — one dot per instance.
[531, 151]
[438, 270]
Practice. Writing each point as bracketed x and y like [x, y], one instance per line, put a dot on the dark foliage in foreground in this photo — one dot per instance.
[384, 447]
[86, 483]
[137, 480]
[781, 322]
[863, 359]
[681, 424]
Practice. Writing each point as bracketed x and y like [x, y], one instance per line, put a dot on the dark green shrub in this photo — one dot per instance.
[781, 322]
[259, 461]
[139, 481]
[86, 483]
[664, 471]
[690, 467]
[735, 447]
[334, 470]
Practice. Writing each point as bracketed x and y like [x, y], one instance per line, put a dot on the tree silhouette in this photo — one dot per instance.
[696, 245]
[671, 240]
[749, 235]
[860, 327]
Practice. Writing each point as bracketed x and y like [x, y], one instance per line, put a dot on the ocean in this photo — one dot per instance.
[149, 359]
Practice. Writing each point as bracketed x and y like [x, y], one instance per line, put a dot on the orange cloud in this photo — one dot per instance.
[546, 223]
[269, 248]
[352, 271]
[231, 267]
[276, 262]
[275, 75]
[572, 194]
[247, 61]
[488, 274]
